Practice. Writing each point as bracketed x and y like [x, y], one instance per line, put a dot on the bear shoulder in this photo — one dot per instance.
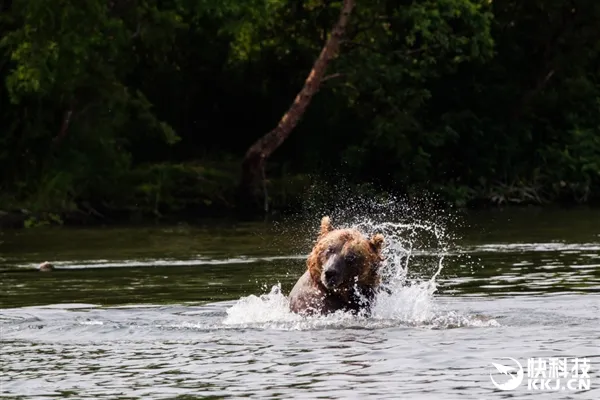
[306, 296]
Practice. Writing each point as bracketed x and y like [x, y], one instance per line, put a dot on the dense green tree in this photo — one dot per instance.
[152, 104]
[71, 112]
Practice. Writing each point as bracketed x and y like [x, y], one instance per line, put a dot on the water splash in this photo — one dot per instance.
[408, 285]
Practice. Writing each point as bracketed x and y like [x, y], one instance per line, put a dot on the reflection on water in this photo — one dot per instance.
[200, 311]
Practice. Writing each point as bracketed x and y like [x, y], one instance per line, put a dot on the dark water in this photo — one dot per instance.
[195, 312]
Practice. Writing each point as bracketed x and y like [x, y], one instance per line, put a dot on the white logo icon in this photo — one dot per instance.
[514, 381]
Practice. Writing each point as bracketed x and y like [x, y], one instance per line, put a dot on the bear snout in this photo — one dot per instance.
[331, 278]
[332, 275]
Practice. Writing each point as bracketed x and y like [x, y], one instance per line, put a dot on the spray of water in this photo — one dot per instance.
[409, 279]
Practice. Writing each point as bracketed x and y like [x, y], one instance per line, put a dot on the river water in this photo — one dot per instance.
[199, 311]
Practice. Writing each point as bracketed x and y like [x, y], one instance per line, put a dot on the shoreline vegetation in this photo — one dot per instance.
[163, 110]
[180, 192]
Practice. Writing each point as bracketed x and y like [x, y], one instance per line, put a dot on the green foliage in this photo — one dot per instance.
[43, 220]
[112, 103]
[159, 188]
[72, 110]
[390, 64]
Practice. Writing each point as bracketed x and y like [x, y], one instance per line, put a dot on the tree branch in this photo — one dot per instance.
[397, 53]
[257, 154]
[137, 31]
[66, 120]
[332, 76]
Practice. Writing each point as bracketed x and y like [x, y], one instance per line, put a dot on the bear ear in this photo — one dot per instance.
[377, 242]
[325, 226]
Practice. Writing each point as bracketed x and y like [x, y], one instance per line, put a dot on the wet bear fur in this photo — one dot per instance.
[342, 273]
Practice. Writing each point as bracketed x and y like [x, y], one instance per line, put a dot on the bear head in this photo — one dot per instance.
[342, 258]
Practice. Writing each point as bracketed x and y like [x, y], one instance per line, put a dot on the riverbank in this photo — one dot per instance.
[187, 191]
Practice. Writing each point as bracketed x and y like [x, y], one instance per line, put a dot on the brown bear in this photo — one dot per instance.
[342, 273]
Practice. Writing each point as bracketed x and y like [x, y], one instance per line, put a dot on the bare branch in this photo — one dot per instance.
[137, 31]
[332, 76]
[257, 154]
[62, 133]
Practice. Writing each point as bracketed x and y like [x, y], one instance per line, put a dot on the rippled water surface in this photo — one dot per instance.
[197, 311]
